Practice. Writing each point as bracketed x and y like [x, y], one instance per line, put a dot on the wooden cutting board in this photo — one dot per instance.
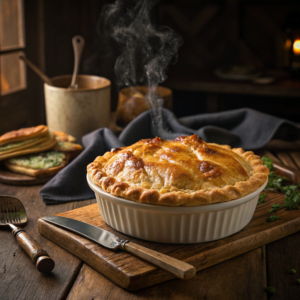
[132, 273]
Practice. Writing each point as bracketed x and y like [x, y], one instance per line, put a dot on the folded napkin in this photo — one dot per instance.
[244, 128]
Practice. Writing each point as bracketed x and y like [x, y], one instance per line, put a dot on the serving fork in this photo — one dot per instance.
[12, 212]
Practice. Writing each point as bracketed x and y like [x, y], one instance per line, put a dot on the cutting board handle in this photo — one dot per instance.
[177, 267]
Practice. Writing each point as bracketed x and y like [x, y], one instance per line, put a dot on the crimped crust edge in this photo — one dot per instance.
[178, 198]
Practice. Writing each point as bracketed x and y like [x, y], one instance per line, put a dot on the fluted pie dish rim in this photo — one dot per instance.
[175, 224]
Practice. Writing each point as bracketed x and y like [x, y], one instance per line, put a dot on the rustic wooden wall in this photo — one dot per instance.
[26, 108]
[219, 32]
[73, 18]
[49, 28]
[214, 32]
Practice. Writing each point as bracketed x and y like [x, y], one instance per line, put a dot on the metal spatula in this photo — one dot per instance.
[12, 212]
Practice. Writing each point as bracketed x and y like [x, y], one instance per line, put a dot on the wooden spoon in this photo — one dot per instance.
[78, 45]
[36, 70]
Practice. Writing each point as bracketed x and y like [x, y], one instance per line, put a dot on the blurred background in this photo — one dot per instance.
[235, 53]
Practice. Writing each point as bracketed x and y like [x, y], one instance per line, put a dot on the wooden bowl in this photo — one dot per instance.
[132, 102]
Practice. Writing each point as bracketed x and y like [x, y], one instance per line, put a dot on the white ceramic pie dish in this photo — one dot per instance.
[178, 225]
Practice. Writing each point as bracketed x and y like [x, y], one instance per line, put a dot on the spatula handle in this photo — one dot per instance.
[176, 267]
[44, 263]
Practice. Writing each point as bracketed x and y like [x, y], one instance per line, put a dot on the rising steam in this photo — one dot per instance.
[146, 49]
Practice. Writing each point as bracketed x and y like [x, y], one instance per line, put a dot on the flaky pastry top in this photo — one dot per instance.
[183, 172]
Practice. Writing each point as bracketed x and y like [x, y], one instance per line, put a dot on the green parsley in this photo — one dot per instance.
[268, 162]
[292, 271]
[261, 199]
[292, 197]
[275, 184]
[298, 281]
[275, 207]
[270, 290]
[273, 218]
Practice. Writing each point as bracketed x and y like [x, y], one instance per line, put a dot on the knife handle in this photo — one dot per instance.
[44, 263]
[176, 267]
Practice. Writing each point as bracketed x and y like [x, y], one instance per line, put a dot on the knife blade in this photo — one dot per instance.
[96, 234]
[109, 240]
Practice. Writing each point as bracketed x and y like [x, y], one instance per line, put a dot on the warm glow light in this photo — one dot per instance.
[296, 47]
[4, 84]
[288, 43]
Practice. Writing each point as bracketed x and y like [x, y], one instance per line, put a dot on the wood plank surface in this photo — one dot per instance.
[11, 178]
[242, 277]
[283, 255]
[286, 159]
[271, 156]
[295, 155]
[132, 273]
[18, 277]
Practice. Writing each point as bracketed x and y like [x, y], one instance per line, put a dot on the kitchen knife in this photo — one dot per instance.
[107, 239]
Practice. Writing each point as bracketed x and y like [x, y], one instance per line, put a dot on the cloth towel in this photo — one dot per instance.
[245, 128]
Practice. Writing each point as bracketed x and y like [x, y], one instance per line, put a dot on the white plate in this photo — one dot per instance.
[235, 76]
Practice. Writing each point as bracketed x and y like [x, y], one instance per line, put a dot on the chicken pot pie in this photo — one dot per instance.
[183, 172]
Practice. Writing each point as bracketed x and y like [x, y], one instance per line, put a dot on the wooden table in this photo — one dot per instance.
[243, 277]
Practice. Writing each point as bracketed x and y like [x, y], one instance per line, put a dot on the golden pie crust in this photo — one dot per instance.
[183, 172]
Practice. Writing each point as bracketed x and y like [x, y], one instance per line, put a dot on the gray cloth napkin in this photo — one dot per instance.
[244, 128]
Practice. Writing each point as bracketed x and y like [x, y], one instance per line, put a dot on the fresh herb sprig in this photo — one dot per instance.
[268, 162]
[275, 207]
[273, 218]
[292, 197]
[291, 192]
[262, 198]
[275, 182]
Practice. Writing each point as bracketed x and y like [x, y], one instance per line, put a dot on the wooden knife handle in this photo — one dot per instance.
[44, 263]
[177, 267]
